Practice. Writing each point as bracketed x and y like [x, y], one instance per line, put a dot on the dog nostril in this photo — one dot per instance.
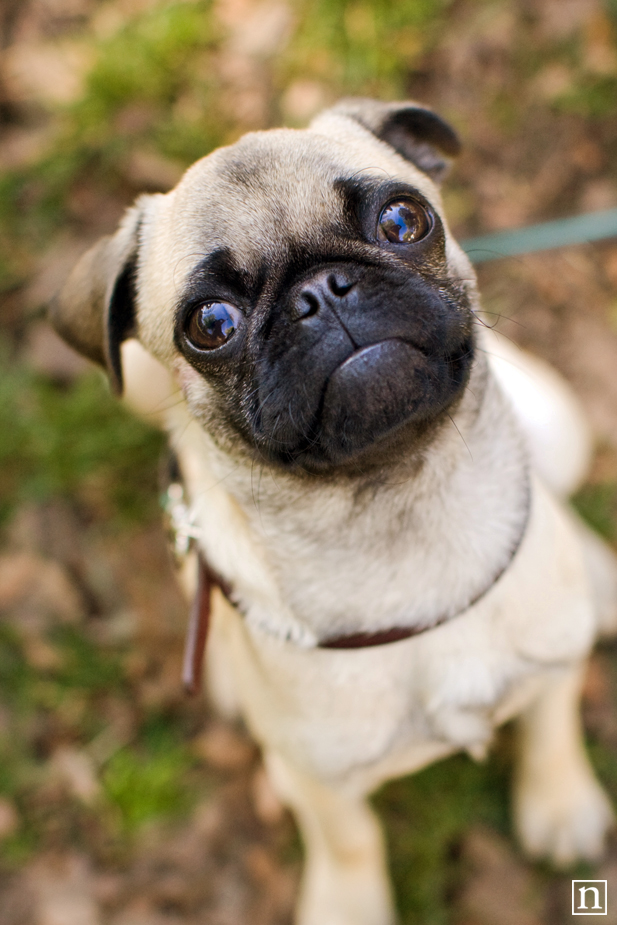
[309, 306]
[339, 286]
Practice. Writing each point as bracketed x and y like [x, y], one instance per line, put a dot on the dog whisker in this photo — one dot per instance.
[456, 427]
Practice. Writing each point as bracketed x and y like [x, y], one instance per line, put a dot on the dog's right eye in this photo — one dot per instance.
[212, 325]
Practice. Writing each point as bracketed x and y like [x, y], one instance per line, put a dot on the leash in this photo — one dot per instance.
[563, 232]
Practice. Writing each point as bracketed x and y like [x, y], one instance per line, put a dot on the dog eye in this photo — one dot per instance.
[212, 325]
[403, 222]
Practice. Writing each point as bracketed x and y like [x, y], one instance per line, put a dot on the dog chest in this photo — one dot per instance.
[334, 711]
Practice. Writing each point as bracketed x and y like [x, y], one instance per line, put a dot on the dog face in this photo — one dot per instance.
[302, 284]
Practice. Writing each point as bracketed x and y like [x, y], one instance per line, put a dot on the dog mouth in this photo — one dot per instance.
[382, 387]
[377, 391]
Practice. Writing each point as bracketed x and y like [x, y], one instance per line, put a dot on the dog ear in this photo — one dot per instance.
[415, 132]
[95, 310]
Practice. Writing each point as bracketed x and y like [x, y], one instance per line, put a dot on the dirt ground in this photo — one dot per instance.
[122, 802]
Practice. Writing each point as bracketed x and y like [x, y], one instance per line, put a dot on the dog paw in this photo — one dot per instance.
[564, 821]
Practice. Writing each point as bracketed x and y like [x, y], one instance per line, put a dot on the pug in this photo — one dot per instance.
[376, 483]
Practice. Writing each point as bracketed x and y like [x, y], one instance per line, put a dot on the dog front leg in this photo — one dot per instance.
[561, 811]
[344, 881]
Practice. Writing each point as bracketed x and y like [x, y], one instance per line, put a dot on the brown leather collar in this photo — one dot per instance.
[199, 621]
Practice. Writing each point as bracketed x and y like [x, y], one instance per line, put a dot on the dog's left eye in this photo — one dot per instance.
[403, 222]
[212, 325]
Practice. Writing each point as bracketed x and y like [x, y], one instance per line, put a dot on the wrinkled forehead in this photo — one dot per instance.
[277, 187]
[258, 200]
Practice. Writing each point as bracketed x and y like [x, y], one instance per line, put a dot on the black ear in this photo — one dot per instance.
[415, 132]
[95, 310]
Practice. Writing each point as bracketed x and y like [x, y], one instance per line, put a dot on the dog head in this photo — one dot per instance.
[302, 285]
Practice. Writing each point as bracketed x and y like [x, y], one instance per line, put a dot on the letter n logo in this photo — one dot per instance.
[589, 897]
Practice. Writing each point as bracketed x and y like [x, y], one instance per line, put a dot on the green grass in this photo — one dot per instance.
[150, 63]
[361, 47]
[83, 669]
[84, 665]
[426, 817]
[75, 441]
[149, 780]
[593, 97]
[597, 504]
[16, 676]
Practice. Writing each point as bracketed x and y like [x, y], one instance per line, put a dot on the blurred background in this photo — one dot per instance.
[121, 801]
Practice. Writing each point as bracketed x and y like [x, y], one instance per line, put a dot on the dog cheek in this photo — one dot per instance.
[191, 382]
[205, 403]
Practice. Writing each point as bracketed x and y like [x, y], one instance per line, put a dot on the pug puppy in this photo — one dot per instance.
[369, 480]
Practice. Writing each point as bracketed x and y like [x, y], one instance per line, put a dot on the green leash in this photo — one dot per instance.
[593, 226]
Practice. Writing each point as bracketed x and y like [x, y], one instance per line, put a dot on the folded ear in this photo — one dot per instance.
[95, 310]
[415, 132]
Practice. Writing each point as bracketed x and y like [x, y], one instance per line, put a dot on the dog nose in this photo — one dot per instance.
[327, 288]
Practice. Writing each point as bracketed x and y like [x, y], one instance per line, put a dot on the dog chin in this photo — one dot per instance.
[382, 395]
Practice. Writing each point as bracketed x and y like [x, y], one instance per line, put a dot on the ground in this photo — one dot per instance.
[122, 802]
